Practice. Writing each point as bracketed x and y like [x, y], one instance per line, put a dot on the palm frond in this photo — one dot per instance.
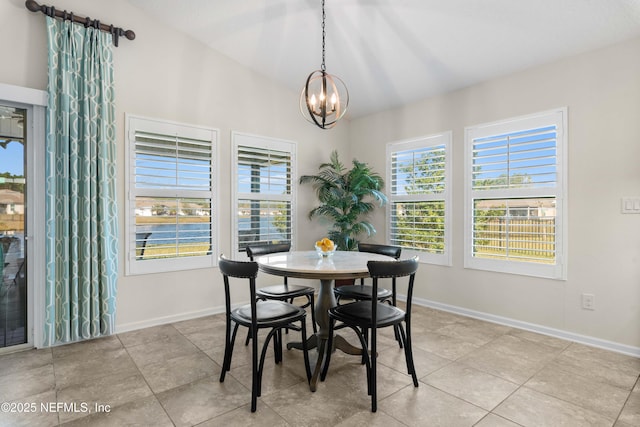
[346, 198]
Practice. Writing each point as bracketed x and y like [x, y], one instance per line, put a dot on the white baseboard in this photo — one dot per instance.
[133, 326]
[557, 333]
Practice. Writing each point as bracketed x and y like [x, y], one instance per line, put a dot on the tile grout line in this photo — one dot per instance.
[627, 400]
[153, 393]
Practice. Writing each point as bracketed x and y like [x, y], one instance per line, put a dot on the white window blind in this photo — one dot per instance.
[517, 160]
[263, 190]
[418, 174]
[515, 195]
[172, 162]
[171, 180]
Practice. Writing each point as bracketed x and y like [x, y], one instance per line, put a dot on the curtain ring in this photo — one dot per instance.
[114, 35]
[64, 15]
[71, 18]
[87, 22]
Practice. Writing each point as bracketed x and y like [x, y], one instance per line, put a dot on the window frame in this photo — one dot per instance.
[239, 139]
[133, 265]
[443, 138]
[557, 117]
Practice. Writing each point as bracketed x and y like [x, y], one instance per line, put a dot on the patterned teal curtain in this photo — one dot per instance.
[81, 213]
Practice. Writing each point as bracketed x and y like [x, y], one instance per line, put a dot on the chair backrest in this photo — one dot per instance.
[141, 243]
[258, 250]
[270, 248]
[241, 270]
[393, 269]
[382, 269]
[392, 251]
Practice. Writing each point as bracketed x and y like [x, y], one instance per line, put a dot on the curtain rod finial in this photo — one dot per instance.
[51, 11]
[32, 5]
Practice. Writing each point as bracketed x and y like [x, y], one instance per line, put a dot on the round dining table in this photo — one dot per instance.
[310, 265]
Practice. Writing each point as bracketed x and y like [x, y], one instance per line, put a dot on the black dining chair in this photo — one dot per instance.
[283, 291]
[367, 316]
[363, 292]
[258, 314]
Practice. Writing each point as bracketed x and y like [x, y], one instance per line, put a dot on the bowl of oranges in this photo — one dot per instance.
[325, 247]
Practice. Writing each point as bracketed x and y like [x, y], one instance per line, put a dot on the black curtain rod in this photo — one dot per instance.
[51, 11]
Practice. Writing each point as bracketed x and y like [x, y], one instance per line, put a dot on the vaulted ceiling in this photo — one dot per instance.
[393, 52]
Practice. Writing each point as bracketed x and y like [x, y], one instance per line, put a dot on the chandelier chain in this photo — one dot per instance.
[322, 67]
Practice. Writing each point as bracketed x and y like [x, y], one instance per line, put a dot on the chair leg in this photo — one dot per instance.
[305, 350]
[246, 341]
[362, 336]
[408, 354]
[227, 351]
[277, 347]
[327, 359]
[373, 371]
[312, 308]
[273, 334]
[365, 335]
[255, 380]
[396, 333]
[286, 330]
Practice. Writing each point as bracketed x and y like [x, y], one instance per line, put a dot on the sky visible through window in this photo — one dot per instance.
[527, 157]
[11, 134]
[418, 171]
[12, 159]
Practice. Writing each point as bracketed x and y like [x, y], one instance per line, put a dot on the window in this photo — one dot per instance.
[515, 195]
[419, 200]
[263, 194]
[170, 213]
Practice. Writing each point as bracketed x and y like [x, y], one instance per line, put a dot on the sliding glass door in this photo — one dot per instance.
[14, 306]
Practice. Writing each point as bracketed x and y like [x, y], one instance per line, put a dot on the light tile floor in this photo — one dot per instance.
[472, 373]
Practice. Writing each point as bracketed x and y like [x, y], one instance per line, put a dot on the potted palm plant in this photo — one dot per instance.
[346, 198]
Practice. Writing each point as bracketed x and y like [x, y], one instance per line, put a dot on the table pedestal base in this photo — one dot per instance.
[339, 343]
[307, 265]
[325, 300]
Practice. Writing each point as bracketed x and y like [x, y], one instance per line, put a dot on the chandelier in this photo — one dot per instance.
[324, 98]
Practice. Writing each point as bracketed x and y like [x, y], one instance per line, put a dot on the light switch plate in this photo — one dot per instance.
[631, 205]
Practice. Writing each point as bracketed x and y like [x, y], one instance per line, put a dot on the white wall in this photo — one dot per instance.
[602, 92]
[164, 74]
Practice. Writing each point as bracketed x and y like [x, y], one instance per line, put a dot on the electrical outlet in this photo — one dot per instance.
[588, 301]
